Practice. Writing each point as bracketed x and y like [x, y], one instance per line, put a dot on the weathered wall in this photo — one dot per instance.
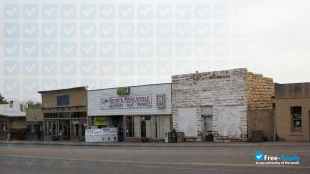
[261, 120]
[224, 91]
[260, 93]
[284, 119]
[34, 114]
[78, 97]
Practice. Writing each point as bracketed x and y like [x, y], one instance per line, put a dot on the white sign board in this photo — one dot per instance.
[105, 135]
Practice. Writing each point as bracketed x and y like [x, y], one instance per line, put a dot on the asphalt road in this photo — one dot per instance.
[44, 159]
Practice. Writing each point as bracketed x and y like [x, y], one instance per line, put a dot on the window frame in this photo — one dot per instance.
[294, 119]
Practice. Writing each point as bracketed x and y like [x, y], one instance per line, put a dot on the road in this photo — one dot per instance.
[45, 159]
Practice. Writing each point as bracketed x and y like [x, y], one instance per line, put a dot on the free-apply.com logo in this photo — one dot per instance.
[259, 155]
[282, 159]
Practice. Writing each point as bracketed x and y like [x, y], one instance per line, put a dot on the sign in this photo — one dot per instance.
[161, 101]
[128, 102]
[123, 91]
[100, 121]
[105, 135]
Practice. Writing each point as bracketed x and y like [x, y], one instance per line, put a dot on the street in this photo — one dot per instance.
[48, 159]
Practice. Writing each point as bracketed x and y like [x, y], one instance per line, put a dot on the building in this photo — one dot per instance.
[139, 112]
[65, 113]
[223, 105]
[292, 111]
[12, 121]
[34, 123]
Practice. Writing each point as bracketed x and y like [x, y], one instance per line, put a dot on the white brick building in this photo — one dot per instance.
[221, 103]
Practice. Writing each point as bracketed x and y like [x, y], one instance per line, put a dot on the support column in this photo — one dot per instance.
[124, 128]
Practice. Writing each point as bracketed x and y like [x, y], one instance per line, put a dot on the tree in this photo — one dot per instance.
[3, 100]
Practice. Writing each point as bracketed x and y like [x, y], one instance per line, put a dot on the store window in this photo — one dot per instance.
[296, 113]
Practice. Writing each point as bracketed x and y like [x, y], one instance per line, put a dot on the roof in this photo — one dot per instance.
[293, 90]
[132, 86]
[11, 111]
[65, 89]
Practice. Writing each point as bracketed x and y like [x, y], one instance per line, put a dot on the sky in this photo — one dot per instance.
[109, 43]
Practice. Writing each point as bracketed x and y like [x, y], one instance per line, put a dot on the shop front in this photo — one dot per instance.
[140, 113]
[64, 114]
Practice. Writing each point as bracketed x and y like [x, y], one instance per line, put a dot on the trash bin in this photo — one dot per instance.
[180, 137]
[172, 136]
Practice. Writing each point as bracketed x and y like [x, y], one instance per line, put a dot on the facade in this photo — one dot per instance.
[34, 122]
[222, 105]
[292, 111]
[139, 112]
[65, 113]
[12, 121]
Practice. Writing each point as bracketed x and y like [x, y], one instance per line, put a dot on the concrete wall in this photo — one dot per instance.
[284, 119]
[224, 91]
[97, 106]
[287, 96]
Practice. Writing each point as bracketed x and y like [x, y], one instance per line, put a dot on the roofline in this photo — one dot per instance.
[233, 69]
[155, 84]
[64, 89]
[297, 83]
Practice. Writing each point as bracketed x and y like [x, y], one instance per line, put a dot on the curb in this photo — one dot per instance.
[160, 145]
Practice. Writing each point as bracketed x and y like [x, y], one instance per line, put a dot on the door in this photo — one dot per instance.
[143, 128]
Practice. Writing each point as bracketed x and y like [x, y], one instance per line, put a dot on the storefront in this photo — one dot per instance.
[138, 112]
[64, 113]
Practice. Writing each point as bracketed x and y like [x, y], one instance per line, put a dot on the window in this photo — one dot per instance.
[63, 100]
[296, 113]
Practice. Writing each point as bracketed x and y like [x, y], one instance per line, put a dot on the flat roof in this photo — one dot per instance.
[292, 90]
[65, 89]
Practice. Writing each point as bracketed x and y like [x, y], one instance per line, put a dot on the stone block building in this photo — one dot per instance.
[224, 105]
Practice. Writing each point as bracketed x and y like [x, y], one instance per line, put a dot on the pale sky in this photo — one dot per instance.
[109, 43]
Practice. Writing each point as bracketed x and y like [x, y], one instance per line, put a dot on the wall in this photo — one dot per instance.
[224, 91]
[98, 101]
[287, 96]
[260, 93]
[34, 114]
[284, 122]
[78, 97]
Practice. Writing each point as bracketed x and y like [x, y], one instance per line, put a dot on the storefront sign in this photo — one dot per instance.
[127, 102]
[100, 121]
[108, 135]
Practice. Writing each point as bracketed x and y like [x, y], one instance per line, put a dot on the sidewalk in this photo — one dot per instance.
[126, 144]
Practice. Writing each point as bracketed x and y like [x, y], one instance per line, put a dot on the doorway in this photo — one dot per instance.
[143, 128]
[207, 133]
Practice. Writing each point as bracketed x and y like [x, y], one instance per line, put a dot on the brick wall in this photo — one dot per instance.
[224, 91]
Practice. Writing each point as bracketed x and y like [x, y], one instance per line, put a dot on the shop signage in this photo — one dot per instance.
[127, 102]
[100, 121]
[123, 91]
[161, 101]
[107, 135]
